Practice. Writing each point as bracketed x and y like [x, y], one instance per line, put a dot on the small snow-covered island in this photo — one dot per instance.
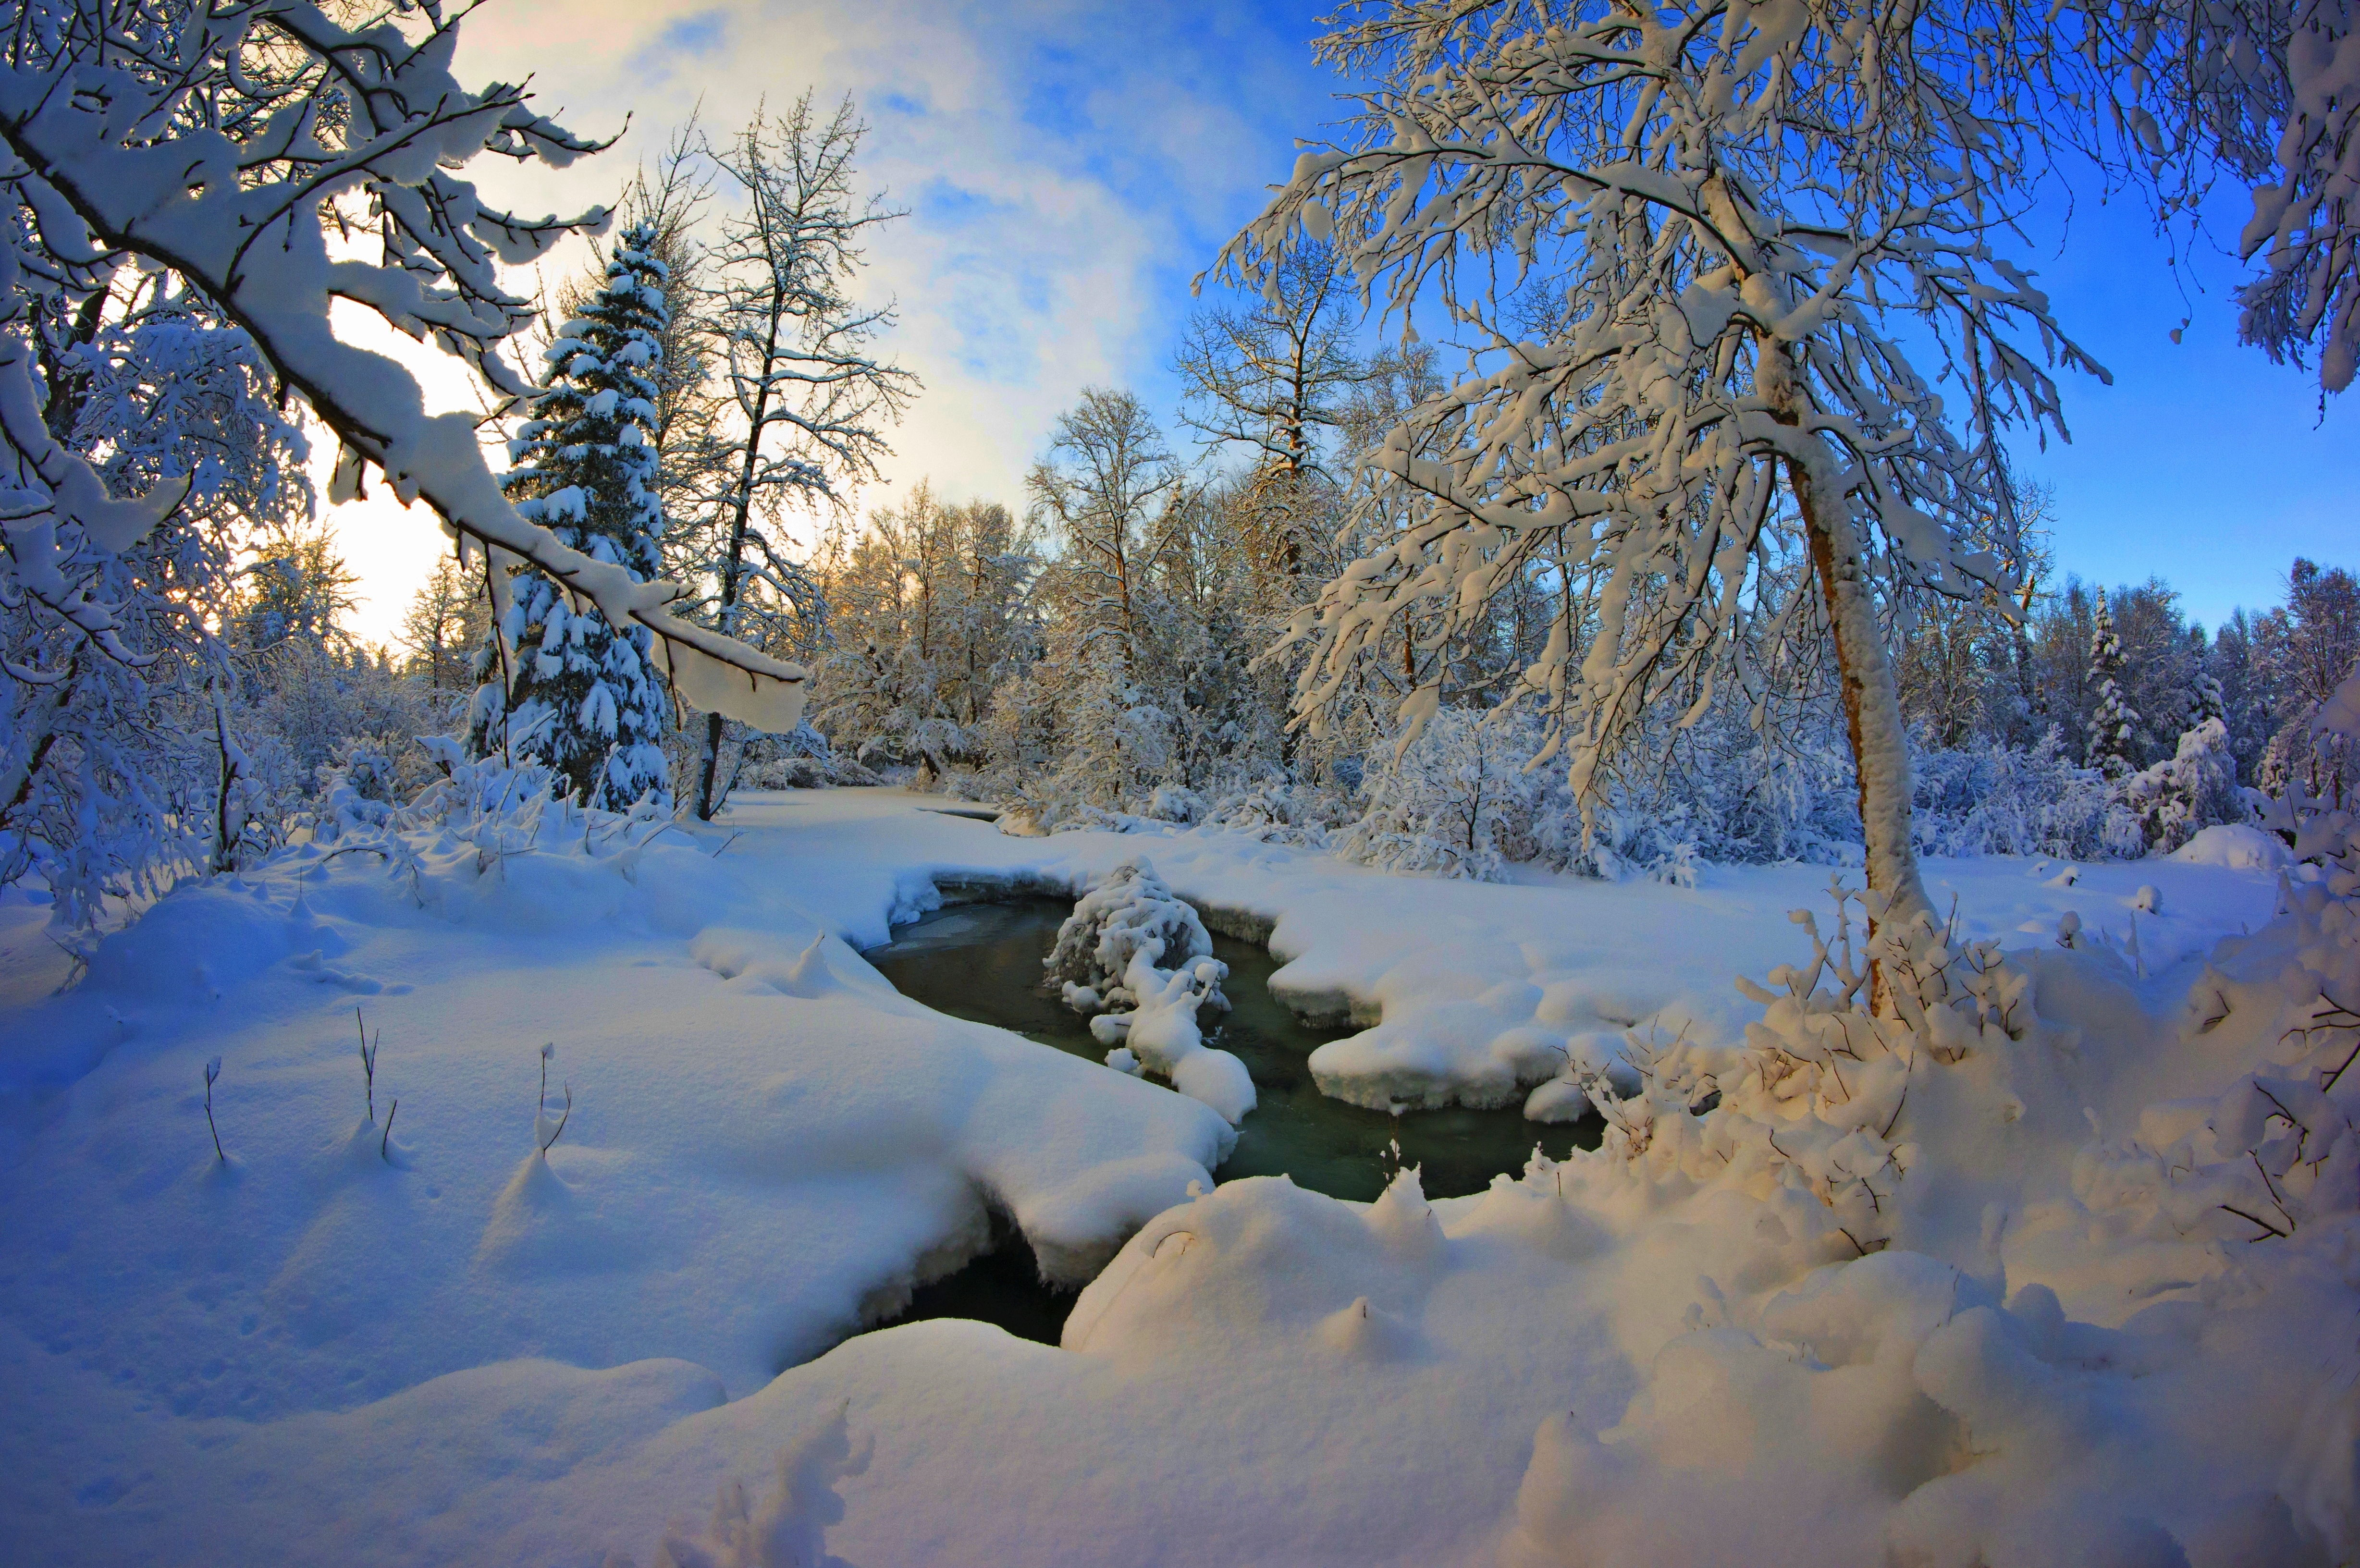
[1475, 784]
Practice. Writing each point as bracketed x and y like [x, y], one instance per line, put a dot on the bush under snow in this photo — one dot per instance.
[1134, 950]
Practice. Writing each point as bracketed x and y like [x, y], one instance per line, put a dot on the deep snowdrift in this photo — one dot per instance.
[347, 1348]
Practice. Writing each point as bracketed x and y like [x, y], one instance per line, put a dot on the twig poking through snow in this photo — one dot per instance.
[560, 1123]
[384, 1144]
[726, 844]
[212, 1071]
[368, 1063]
[541, 1106]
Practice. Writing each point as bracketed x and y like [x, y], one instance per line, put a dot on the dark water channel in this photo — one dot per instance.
[982, 962]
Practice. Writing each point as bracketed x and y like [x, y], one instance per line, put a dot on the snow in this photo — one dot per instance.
[1109, 953]
[2236, 845]
[438, 1346]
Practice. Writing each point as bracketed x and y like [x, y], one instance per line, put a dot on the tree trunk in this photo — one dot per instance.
[39, 727]
[733, 564]
[1871, 704]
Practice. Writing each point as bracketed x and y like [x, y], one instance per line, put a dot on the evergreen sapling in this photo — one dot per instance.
[2115, 721]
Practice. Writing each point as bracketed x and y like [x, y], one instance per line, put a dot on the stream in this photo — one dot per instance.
[982, 962]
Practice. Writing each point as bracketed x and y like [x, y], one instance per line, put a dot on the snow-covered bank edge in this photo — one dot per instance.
[1414, 1349]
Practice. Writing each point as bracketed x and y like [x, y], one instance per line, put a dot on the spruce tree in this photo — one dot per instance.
[2206, 700]
[581, 696]
[2114, 720]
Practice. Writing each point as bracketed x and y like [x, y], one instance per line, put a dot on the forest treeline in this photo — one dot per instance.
[1437, 613]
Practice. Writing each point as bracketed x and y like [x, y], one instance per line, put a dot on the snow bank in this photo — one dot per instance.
[767, 1146]
[2236, 845]
[2061, 1346]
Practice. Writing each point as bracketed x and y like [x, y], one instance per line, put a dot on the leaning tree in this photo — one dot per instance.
[1727, 276]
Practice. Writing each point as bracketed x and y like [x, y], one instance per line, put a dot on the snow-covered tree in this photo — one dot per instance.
[806, 400]
[1444, 802]
[1114, 742]
[297, 589]
[111, 759]
[221, 143]
[2112, 722]
[929, 612]
[2311, 644]
[574, 690]
[2194, 788]
[2206, 700]
[1105, 493]
[1684, 241]
[444, 627]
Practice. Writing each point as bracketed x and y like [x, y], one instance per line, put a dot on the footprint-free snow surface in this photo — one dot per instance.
[347, 1344]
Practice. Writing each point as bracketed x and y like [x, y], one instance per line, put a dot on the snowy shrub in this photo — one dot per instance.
[487, 800]
[1122, 916]
[1467, 798]
[2186, 793]
[802, 761]
[2281, 1146]
[1040, 806]
[1140, 959]
[1176, 803]
[1276, 812]
[1812, 1106]
[1993, 798]
[1455, 801]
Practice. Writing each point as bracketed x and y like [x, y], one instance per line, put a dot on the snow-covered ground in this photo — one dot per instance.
[437, 1347]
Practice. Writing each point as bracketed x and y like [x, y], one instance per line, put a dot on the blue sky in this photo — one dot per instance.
[1068, 166]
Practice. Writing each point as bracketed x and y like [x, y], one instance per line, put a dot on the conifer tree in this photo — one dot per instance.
[579, 695]
[2206, 700]
[2115, 721]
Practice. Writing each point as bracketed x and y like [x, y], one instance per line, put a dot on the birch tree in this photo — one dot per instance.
[1683, 245]
[806, 400]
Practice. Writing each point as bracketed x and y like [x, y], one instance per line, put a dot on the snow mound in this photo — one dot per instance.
[2236, 845]
[1122, 913]
[1109, 953]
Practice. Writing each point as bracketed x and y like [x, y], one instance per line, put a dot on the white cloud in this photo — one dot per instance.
[1066, 167]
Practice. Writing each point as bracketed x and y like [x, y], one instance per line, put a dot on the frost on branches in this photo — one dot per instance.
[112, 764]
[1139, 956]
[581, 693]
[1453, 802]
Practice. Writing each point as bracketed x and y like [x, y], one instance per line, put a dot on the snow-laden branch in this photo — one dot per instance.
[217, 145]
